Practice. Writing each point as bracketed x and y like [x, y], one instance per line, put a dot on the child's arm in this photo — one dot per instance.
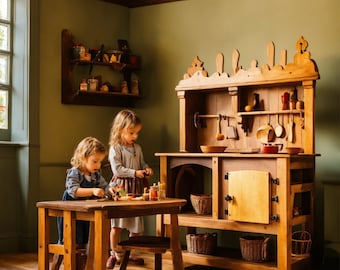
[88, 192]
[73, 188]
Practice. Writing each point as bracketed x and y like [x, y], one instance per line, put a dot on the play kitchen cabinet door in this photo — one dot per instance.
[248, 196]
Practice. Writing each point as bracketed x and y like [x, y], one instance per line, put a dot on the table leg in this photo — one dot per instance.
[101, 239]
[69, 240]
[176, 249]
[43, 239]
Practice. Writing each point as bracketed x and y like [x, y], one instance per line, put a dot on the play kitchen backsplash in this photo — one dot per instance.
[268, 127]
[254, 110]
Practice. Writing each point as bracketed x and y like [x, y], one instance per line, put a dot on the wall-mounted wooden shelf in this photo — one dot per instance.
[72, 95]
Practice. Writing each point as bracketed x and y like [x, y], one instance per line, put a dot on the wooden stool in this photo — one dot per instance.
[153, 244]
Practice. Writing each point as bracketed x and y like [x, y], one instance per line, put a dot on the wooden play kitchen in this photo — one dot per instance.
[262, 175]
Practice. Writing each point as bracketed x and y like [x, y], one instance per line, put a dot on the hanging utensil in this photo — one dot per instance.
[291, 124]
[279, 129]
[219, 135]
[266, 133]
[231, 131]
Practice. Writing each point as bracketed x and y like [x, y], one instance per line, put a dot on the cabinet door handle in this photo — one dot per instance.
[228, 198]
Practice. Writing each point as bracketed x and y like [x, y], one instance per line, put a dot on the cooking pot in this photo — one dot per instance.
[271, 148]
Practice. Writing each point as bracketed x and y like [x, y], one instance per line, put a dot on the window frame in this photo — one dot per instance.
[5, 133]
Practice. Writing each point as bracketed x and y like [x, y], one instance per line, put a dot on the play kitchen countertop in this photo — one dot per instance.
[242, 154]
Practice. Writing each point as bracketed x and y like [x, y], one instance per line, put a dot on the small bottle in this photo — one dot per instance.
[83, 85]
[124, 87]
[145, 194]
[299, 105]
[153, 193]
[134, 87]
[161, 191]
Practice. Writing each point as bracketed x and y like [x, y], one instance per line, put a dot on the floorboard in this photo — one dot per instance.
[29, 261]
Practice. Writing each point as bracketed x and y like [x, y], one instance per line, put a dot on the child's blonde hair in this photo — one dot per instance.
[87, 147]
[123, 120]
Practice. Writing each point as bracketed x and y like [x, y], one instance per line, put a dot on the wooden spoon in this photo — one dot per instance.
[219, 135]
[290, 137]
[279, 129]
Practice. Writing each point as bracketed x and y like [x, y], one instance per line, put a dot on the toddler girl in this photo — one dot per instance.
[83, 181]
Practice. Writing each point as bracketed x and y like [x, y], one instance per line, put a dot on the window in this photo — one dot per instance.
[5, 64]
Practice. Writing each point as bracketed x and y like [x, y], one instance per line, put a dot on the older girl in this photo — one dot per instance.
[129, 170]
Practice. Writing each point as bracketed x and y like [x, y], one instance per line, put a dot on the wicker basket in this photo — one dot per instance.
[301, 243]
[205, 243]
[254, 248]
[201, 203]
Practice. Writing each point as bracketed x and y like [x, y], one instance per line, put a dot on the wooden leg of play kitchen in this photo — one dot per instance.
[284, 233]
[175, 244]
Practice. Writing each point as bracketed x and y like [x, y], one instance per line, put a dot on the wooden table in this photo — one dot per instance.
[99, 214]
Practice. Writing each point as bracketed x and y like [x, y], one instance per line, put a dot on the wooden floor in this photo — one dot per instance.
[29, 261]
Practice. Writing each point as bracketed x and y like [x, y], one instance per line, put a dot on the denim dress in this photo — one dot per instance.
[74, 180]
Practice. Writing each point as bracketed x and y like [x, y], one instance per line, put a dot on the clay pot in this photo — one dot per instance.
[271, 148]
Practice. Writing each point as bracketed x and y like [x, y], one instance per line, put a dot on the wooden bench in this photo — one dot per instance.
[153, 244]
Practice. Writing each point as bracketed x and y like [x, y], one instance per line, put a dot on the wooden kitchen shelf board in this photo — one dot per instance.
[205, 221]
[234, 261]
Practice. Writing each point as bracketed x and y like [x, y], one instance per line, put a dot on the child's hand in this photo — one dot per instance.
[148, 172]
[111, 190]
[140, 173]
[98, 192]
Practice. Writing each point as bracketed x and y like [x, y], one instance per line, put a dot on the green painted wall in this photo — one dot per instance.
[167, 37]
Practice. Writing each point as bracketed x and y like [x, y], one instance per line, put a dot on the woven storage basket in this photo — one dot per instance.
[201, 243]
[201, 203]
[301, 243]
[254, 248]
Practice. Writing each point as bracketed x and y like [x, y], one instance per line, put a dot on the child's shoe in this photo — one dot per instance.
[111, 261]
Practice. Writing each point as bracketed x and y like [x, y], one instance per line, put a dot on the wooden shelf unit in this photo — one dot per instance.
[71, 94]
[289, 175]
